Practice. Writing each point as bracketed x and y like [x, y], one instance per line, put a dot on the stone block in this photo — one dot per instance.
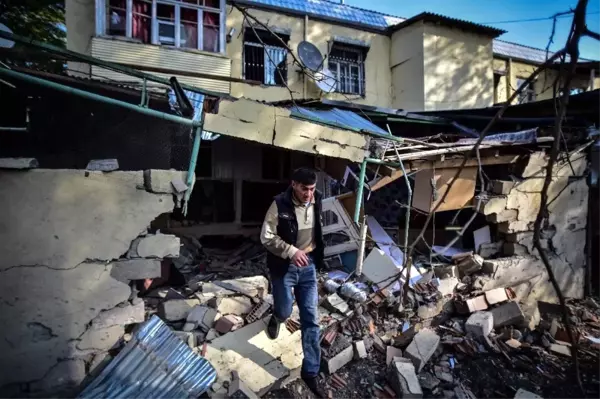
[480, 324]
[188, 337]
[121, 315]
[497, 295]
[100, 339]
[135, 269]
[403, 379]
[512, 249]
[515, 226]
[391, 353]
[239, 305]
[18, 163]
[508, 272]
[507, 215]
[238, 389]
[490, 249]
[523, 394]
[340, 360]
[446, 271]
[470, 265]
[176, 309]
[159, 246]
[360, 350]
[379, 344]
[502, 187]
[447, 285]
[489, 205]
[508, 314]
[422, 347]
[336, 304]
[200, 317]
[229, 323]
[159, 181]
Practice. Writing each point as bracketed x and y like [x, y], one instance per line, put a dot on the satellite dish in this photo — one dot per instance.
[325, 80]
[5, 42]
[310, 56]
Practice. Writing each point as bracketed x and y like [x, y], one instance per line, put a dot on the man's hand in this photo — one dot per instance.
[300, 258]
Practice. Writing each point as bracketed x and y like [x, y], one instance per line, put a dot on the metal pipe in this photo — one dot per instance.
[359, 193]
[407, 218]
[13, 129]
[97, 97]
[192, 167]
[361, 247]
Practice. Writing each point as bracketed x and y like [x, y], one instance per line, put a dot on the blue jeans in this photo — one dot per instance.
[304, 282]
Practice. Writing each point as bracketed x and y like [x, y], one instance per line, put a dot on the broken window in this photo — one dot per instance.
[195, 24]
[265, 59]
[347, 66]
[527, 95]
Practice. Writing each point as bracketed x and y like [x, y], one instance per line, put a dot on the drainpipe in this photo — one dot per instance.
[359, 192]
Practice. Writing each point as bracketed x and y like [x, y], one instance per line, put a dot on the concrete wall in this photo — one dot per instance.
[501, 92]
[458, 69]
[377, 71]
[61, 232]
[407, 68]
[80, 20]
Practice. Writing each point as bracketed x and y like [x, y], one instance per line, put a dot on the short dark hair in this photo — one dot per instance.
[305, 176]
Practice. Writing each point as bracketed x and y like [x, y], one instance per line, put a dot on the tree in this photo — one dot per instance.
[42, 20]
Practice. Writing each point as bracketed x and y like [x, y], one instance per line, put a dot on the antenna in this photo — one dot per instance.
[5, 43]
[310, 56]
[325, 80]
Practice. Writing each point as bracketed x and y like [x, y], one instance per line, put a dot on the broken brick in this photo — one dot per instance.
[228, 323]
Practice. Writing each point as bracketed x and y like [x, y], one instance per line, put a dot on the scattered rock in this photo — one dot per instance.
[403, 379]
[176, 309]
[200, 317]
[422, 348]
[135, 269]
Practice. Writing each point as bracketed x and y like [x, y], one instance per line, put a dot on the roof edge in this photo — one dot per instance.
[448, 21]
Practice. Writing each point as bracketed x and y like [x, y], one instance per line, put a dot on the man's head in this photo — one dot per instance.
[304, 182]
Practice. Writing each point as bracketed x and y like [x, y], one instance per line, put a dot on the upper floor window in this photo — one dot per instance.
[348, 68]
[265, 58]
[195, 24]
[527, 95]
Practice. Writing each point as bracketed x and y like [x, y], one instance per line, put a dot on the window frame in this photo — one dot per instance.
[339, 62]
[101, 7]
[258, 44]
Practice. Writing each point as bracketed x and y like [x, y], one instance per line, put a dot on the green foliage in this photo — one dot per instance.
[42, 20]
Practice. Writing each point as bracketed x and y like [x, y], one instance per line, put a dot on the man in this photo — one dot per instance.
[292, 233]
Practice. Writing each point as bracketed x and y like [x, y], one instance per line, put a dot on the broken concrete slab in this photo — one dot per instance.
[136, 269]
[159, 181]
[228, 323]
[121, 315]
[238, 389]
[508, 314]
[336, 304]
[422, 348]
[391, 353]
[470, 265]
[447, 285]
[176, 309]
[101, 339]
[159, 246]
[379, 267]
[340, 360]
[256, 286]
[403, 379]
[524, 394]
[480, 324]
[239, 305]
[508, 272]
[360, 350]
[260, 361]
[560, 350]
[200, 317]
[497, 295]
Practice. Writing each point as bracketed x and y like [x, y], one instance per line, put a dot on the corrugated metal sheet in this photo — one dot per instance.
[142, 55]
[337, 117]
[154, 364]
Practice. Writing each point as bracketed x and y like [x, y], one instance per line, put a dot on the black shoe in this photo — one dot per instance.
[313, 385]
[273, 328]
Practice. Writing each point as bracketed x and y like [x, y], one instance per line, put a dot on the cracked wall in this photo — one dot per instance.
[62, 233]
[514, 208]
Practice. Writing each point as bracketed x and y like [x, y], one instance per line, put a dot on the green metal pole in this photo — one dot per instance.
[359, 192]
[192, 168]
[97, 97]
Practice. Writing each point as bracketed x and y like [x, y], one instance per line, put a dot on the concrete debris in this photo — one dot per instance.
[379, 345]
[121, 315]
[176, 309]
[101, 339]
[403, 378]
[159, 181]
[502, 187]
[228, 323]
[188, 337]
[103, 165]
[256, 286]
[498, 295]
[448, 271]
[158, 246]
[470, 265]
[523, 394]
[506, 314]
[560, 350]
[428, 380]
[238, 389]
[480, 324]
[200, 317]
[391, 353]
[239, 305]
[513, 343]
[422, 348]
[338, 361]
[335, 303]
[135, 269]
[490, 249]
[18, 163]
[360, 350]
[258, 312]
[178, 184]
[447, 285]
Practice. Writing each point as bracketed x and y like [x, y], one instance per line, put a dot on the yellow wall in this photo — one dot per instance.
[407, 68]
[458, 69]
[377, 66]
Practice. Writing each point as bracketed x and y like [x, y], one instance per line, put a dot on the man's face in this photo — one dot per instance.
[303, 192]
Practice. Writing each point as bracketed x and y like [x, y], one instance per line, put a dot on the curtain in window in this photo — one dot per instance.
[275, 58]
[210, 32]
[141, 23]
[189, 28]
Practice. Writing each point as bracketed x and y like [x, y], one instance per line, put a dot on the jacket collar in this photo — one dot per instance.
[289, 196]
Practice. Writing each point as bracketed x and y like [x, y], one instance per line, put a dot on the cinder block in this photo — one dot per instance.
[360, 350]
[340, 360]
[508, 314]
[422, 348]
[403, 379]
[497, 295]
[480, 324]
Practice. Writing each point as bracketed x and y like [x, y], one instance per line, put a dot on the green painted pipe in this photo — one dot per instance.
[97, 97]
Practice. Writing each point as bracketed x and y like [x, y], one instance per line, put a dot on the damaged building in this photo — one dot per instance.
[136, 180]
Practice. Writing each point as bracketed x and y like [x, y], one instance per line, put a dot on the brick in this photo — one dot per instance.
[403, 379]
[176, 309]
[523, 394]
[228, 323]
[480, 324]
[470, 265]
[340, 360]
[391, 353]
[502, 186]
[507, 215]
[497, 295]
[422, 348]
[360, 350]
[508, 314]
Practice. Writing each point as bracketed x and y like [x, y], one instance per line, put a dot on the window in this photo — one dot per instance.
[528, 93]
[347, 66]
[265, 60]
[194, 24]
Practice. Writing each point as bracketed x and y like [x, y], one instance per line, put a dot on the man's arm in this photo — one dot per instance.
[270, 239]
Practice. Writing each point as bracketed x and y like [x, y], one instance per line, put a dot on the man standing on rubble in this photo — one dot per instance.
[292, 233]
